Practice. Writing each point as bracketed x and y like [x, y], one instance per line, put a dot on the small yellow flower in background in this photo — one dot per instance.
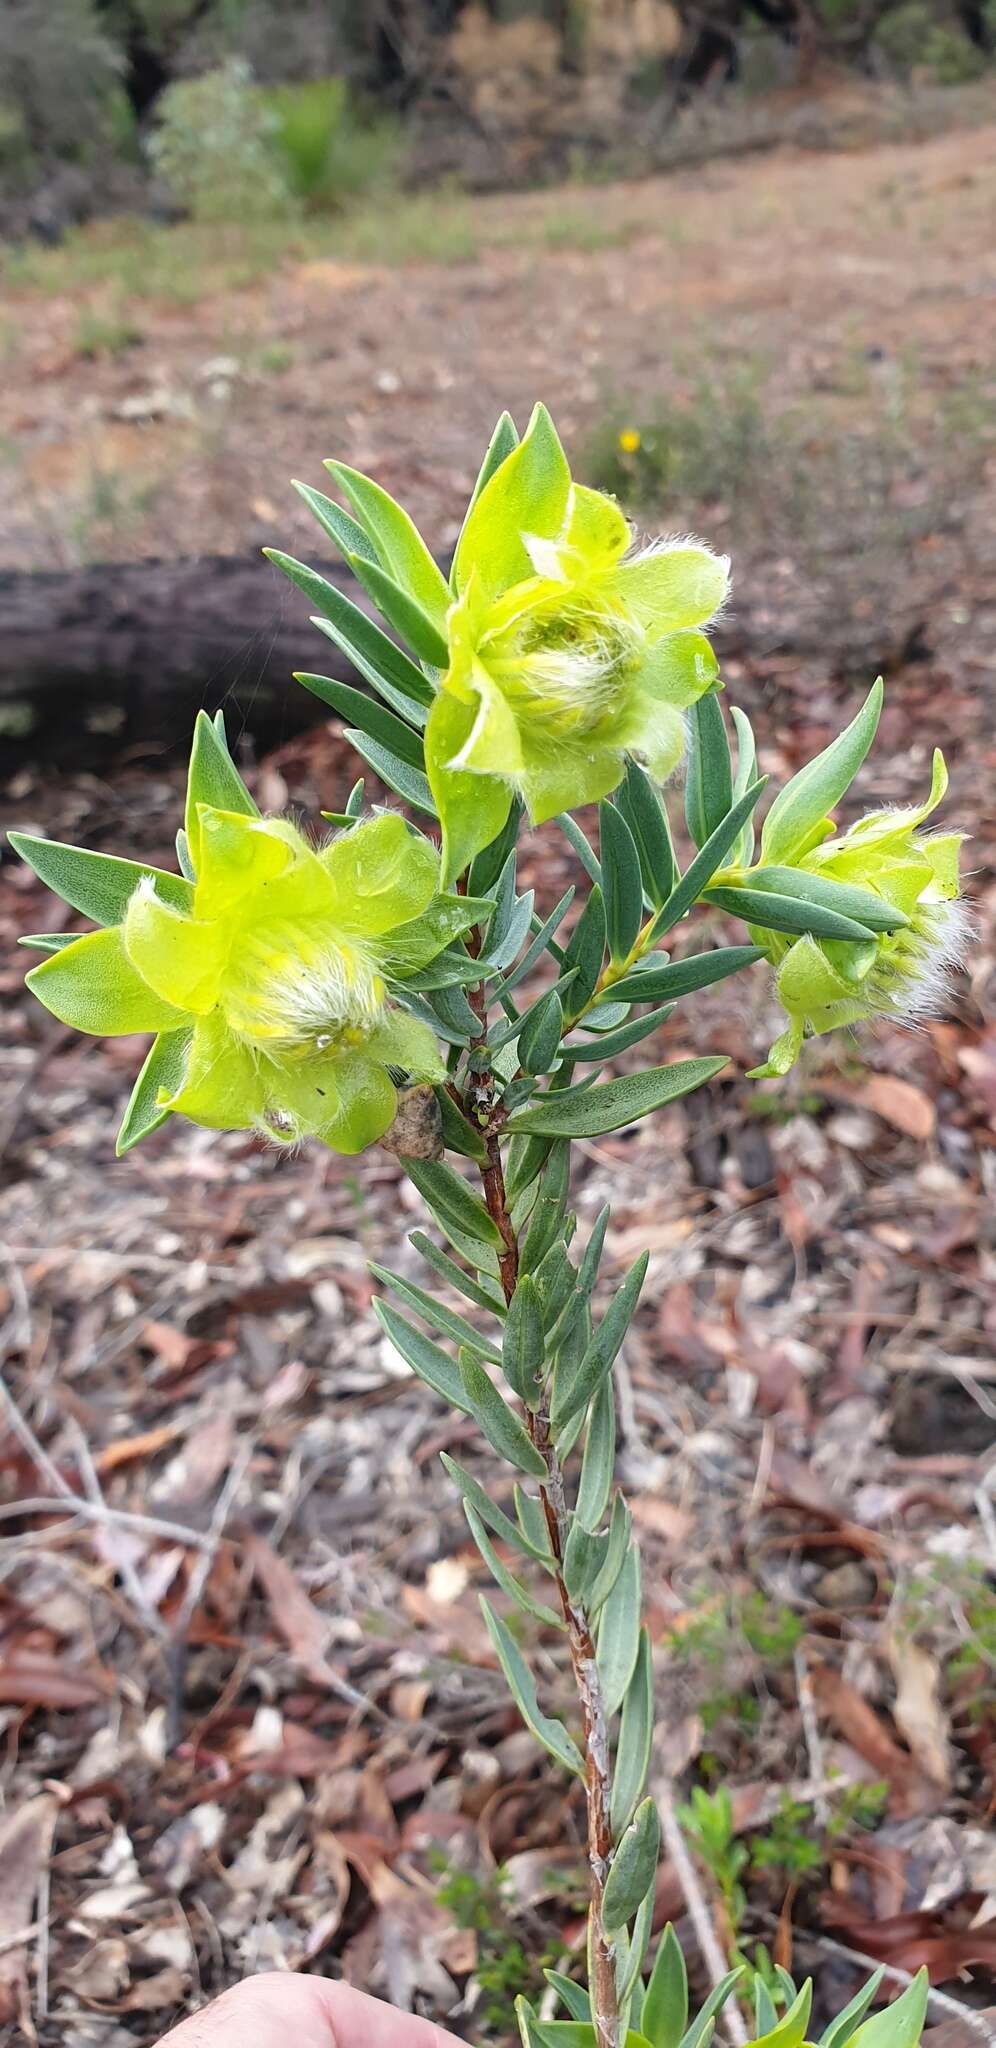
[630, 440]
[266, 969]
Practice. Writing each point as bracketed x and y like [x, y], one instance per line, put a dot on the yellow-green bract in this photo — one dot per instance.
[266, 975]
[900, 973]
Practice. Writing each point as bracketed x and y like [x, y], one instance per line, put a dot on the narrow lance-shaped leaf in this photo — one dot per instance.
[407, 782]
[609, 1043]
[539, 1039]
[397, 540]
[214, 780]
[585, 951]
[509, 1584]
[635, 1732]
[620, 1530]
[799, 809]
[712, 855]
[633, 1867]
[473, 1493]
[595, 1484]
[850, 899]
[523, 1351]
[371, 652]
[578, 843]
[552, 1734]
[790, 2030]
[610, 1105]
[647, 820]
[619, 1633]
[846, 2024]
[743, 851]
[631, 1961]
[451, 1200]
[785, 913]
[161, 1075]
[582, 1552]
[429, 1361]
[99, 885]
[601, 1354]
[699, 2032]
[708, 778]
[665, 2006]
[622, 883]
[436, 1314]
[538, 945]
[504, 1432]
[901, 2024]
[484, 1294]
[366, 715]
[573, 1996]
[347, 533]
[671, 979]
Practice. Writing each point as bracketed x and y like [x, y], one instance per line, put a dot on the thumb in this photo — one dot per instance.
[277, 2009]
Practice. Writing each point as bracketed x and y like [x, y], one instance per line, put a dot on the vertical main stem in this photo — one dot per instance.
[604, 2003]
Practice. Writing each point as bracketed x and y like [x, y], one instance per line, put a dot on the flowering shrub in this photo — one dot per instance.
[381, 986]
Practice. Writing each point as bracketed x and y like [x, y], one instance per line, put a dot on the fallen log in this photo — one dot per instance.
[98, 660]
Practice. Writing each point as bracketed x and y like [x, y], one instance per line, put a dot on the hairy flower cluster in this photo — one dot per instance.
[902, 973]
[268, 977]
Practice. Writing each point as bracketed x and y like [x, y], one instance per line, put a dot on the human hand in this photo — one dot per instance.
[278, 2010]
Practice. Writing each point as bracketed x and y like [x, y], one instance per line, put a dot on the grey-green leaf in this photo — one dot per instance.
[633, 1867]
[474, 1495]
[523, 1352]
[162, 1073]
[635, 1734]
[506, 1579]
[97, 884]
[622, 882]
[765, 908]
[598, 1463]
[673, 978]
[647, 820]
[436, 1314]
[552, 1734]
[449, 1198]
[431, 1363]
[585, 951]
[901, 2024]
[366, 715]
[611, 1105]
[698, 2033]
[846, 2024]
[505, 1433]
[539, 1038]
[619, 1633]
[603, 1349]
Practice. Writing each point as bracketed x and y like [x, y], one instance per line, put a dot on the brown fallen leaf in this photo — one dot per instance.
[917, 1712]
[304, 1630]
[127, 1450]
[913, 1941]
[30, 1678]
[911, 1790]
[900, 1104]
[25, 1846]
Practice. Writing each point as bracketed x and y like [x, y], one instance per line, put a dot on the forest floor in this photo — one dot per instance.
[249, 1713]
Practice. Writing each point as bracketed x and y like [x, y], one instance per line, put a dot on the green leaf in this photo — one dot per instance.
[665, 2007]
[47, 942]
[213, 779]
[580, 845]
[371, 652]
[774, 913]
[488, 866]
[585, 951]
[619, 1629]
[611, 1105]
[480, 1294]
[588, 1270]
[407, 782]
[765, 2015]
[745, 775]
[622, 883]
[506, 1579]
[587, 1051]
[539, 1038]
[620, 1531]
[504, 1432]
[530, 1515]
[676, 978]
[846, 2024]
[647, 820]
[540, 944]
[709, 778]
[598, 1463]
[632, 1951]
[526, 1158]
[698, 2033]
[428, 1360]
[523, 1355]
[901, 2024]
[366, 715]
[552, 1734]
[801, 807]
[582, 1555]
[97, 884]
[451, 1200]
[635, 1734]
[574, 1996]
[850, 899]
[601, 1354]
[349, 536]
[436, 1315]
[459, 1135]
[633, 1868]
[417, 627]
[398, 542]
[547, 1219]
[162, 1073]
[92, 986]
[704, 866]
[495, 1518]
[790, 2031]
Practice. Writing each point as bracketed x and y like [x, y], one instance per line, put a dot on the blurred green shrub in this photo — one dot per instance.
[61, 97]
[329, 151]
[715, 445]
[213, 146]
[910, 37]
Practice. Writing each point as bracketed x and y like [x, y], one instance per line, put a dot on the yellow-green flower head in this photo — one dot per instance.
[567, 649]
[266, 976]
[901, 973]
